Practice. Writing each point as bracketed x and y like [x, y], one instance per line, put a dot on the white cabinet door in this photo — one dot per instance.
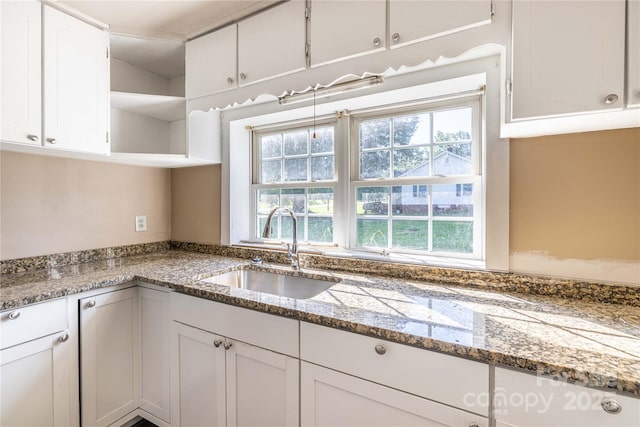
[76, 84]
[345, 29]
[155, 386]
[211, 62]
[198, 370]
[20, 56]
[272, 43]
[412, 21]
[633, 53]
[526, 400]
[331, 398]
[35, 383]
[567, 57]
[109, 356]
[262, 387]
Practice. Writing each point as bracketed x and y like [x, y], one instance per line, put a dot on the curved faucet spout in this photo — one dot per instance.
[292, 252]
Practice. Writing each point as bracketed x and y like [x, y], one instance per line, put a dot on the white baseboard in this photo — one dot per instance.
[599, 270]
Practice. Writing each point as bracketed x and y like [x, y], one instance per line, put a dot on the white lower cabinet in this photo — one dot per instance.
[37, 373]
[331, 398]
[219, 379]
[526, 400]
[109, 356]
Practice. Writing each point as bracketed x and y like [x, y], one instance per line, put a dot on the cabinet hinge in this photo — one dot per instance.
[107, 137]
[493, 9]
[107, 53]
[307, 12]
[509, 87]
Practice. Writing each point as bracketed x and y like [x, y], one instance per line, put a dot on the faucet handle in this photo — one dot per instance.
[289, 251]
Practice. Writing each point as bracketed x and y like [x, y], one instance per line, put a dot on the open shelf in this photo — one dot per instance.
[167, 108]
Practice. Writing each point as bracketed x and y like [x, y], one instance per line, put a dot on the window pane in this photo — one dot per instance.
[453, 236]
[375, 164]
[295, 169]
[323, 142]
[411, 162]
[267, 200]
[320, 201]
[296, 143]
[321, 168]
[452, 125]
[372, 201]
[275, 227]
[452, 159]
[413, 129]
[372, 232]
[293, 198]
[453, 200]
[271, 171]
[287, 227]
[271, 146]
[410, 234]
[320, 229]
[410, 200]
[375, 134]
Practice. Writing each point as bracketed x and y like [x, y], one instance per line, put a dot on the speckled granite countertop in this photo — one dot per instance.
[597, 344]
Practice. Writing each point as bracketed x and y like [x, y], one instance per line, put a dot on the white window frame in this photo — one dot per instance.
[412, 84]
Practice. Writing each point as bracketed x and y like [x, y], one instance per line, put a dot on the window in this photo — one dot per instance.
[295, 169]
[412, 182]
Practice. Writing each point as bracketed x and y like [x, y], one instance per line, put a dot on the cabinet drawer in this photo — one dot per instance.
[33, 321]
[447, 379]
[263, 330]
[526, 400]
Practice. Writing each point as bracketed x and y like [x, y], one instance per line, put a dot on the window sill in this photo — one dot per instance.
[397, 258]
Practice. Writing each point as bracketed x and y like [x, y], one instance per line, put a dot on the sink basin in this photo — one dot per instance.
[272, 283]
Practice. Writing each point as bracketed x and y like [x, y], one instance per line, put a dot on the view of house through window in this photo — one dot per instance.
[412, 179]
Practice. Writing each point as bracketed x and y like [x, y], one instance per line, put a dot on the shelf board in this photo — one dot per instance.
[158, 160]
[167, 108]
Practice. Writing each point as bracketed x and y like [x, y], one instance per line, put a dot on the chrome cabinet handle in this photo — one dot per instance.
[376, 41]
[91, 304]
[229, 80]
[380, 349]
[13, 315]
[217, 343]
[395, 37]
[64, 337]
[610, 406]
[33, 137]
[227, 345]
[243, 76]
[51, 140]
[611, 98]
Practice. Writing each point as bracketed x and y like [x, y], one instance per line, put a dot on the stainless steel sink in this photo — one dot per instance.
[272, 283]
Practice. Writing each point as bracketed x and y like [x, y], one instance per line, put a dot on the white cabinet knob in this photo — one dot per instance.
[64, 337]
[13, 315]
[610, 406]
[33, 137]
[395, 37]
[91, 304]
[376, 41]
[51, 140]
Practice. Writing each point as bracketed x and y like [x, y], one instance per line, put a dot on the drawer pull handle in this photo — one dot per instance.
[64, 337]
[217, 343]
[227, 345]
[91, 303]
[380, 349]
[610, 406]
[14, 315]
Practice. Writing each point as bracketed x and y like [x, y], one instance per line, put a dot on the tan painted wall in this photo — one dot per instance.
[50, 205]
[195, 211]
[577, 195]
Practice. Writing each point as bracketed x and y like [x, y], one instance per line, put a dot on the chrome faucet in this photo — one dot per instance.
[292, 250]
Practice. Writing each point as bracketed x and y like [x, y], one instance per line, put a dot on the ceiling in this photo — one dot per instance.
[150, 33]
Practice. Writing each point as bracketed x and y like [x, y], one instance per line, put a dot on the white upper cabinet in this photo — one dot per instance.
[272, 43]
[567, 57]
[211, 62]
[413, 21]
[633, 53]
[76, 84]
[345, 29]
[21, 119]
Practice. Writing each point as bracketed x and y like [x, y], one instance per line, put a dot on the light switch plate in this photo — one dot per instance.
[141, 223]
